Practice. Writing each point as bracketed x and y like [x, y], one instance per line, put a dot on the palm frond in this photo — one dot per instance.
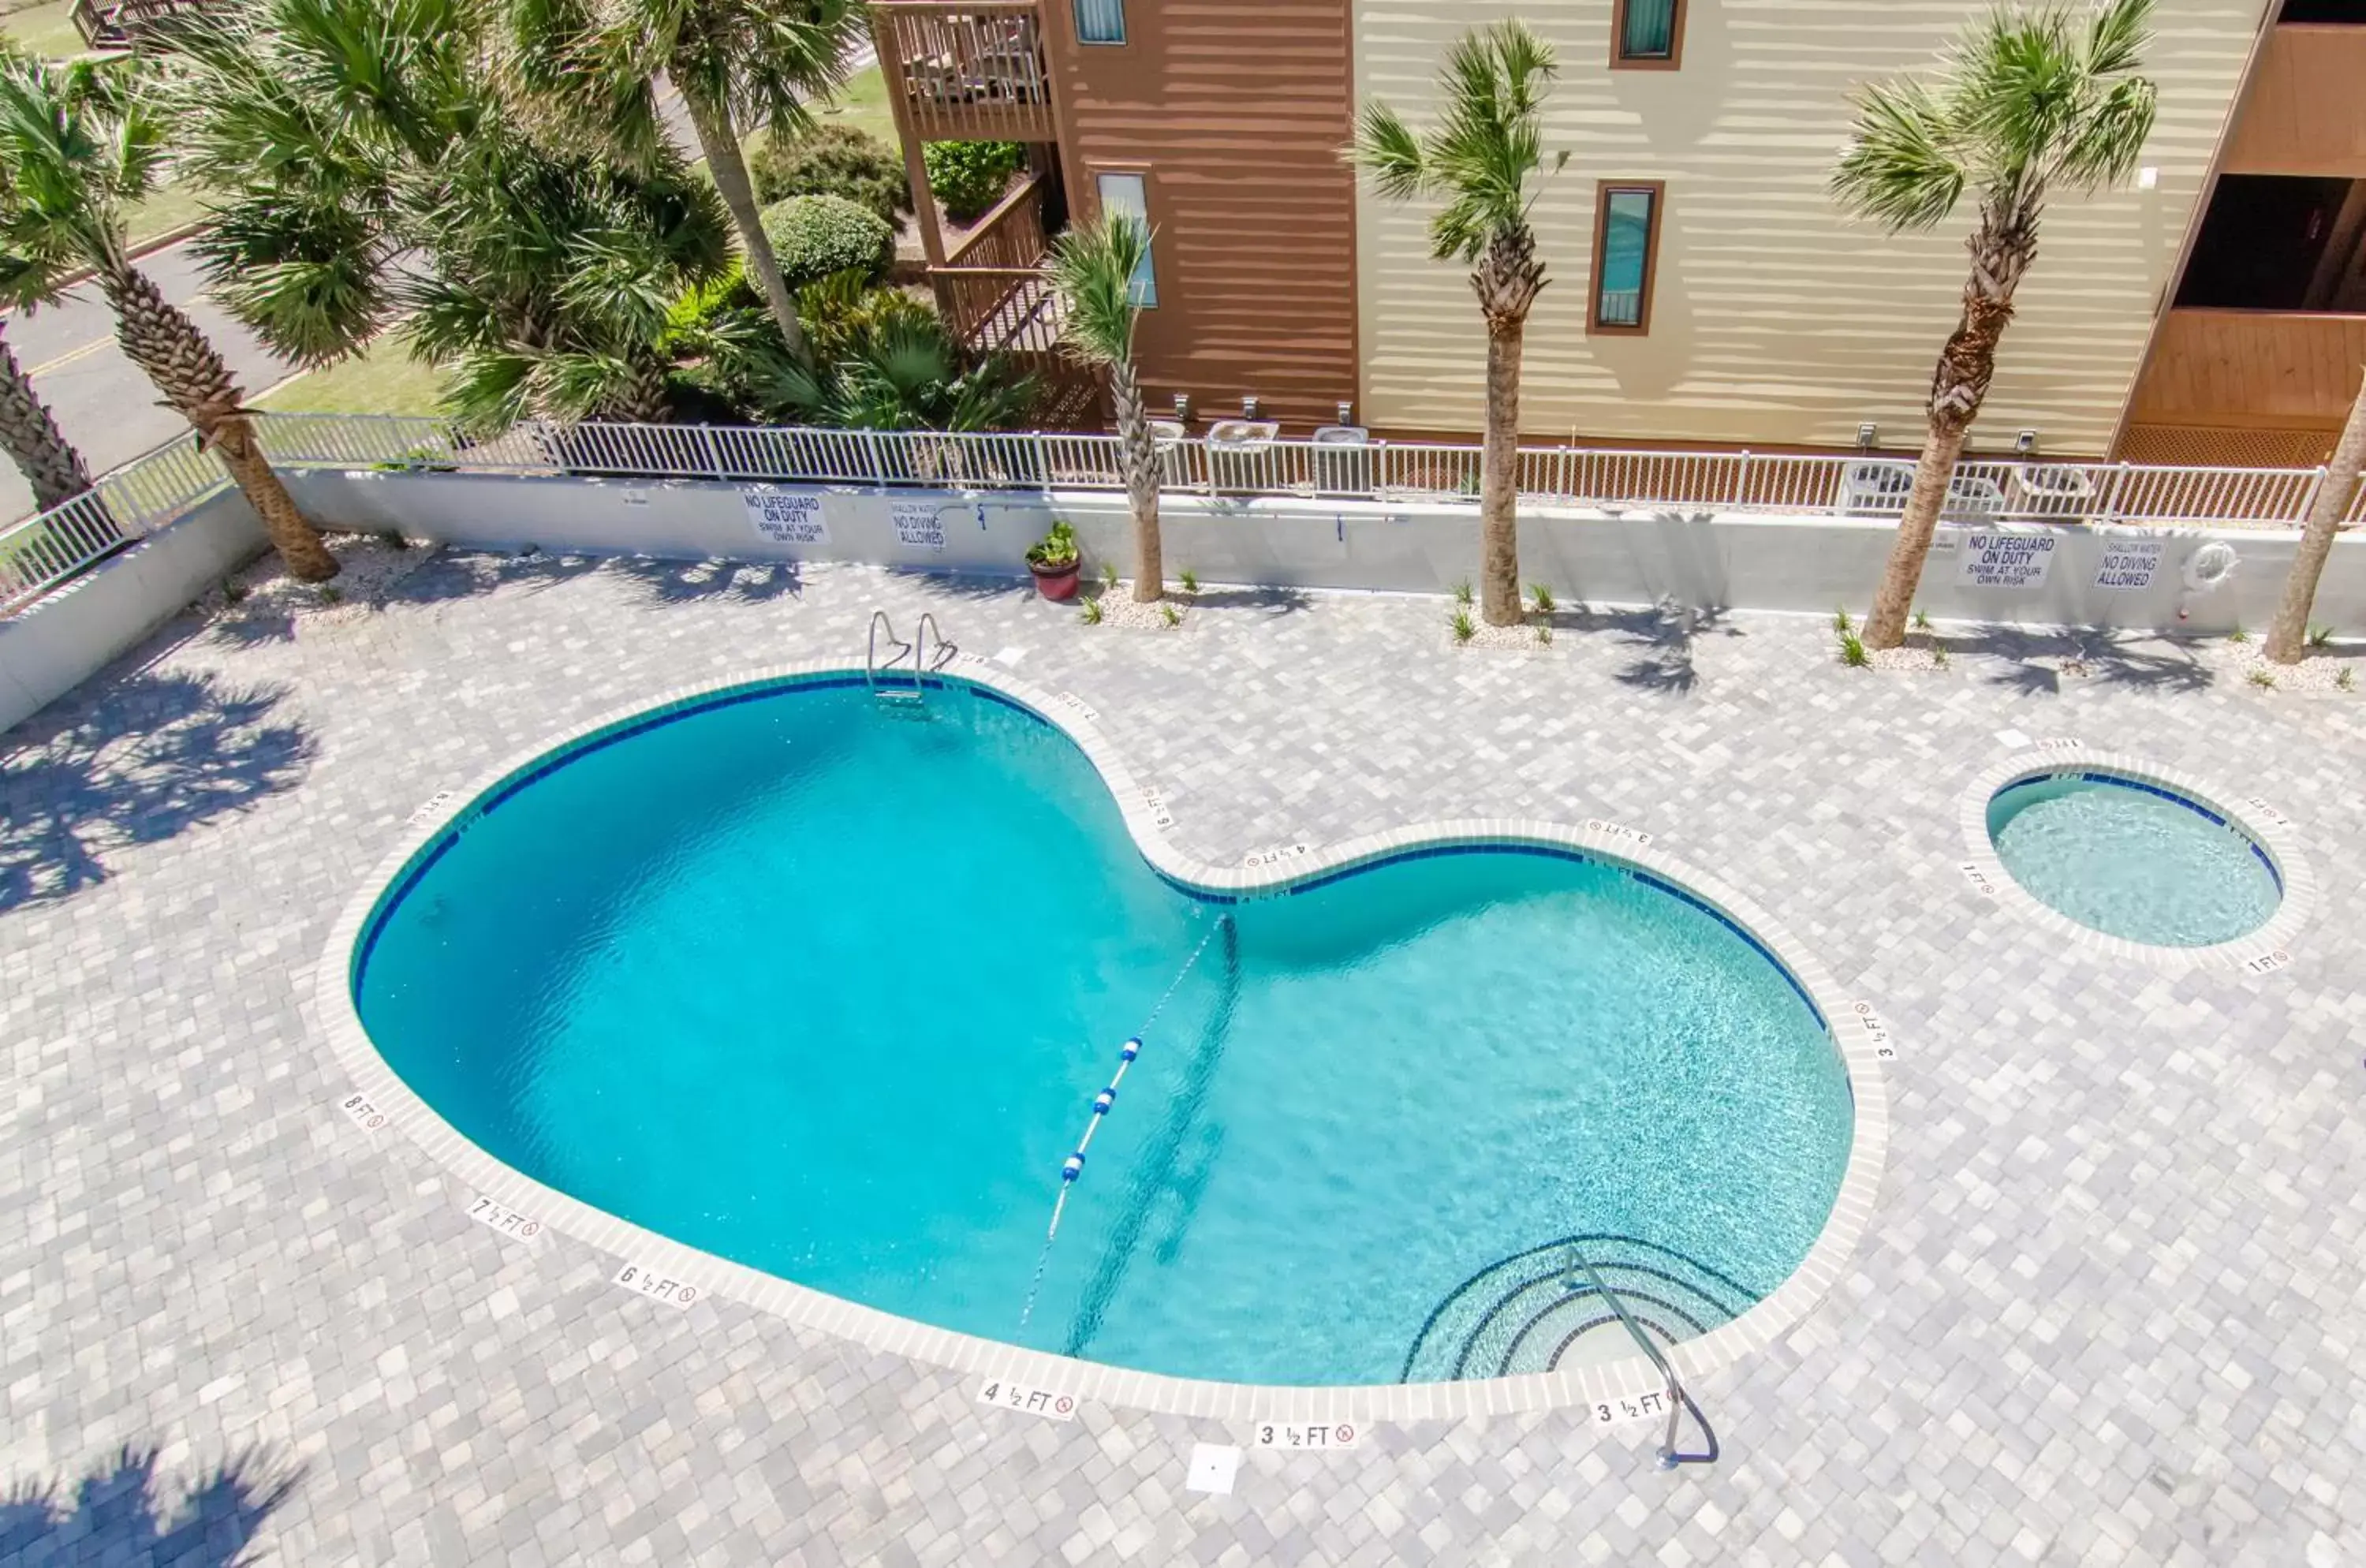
[1901, 167]
[1386, 147]
[1093, 268]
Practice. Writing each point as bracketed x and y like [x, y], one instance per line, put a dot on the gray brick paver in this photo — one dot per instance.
[2106, 1310]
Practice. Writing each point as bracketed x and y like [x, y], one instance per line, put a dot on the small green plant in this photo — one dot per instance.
[1543, 596]
[1091, 612]
[1921, 621]
[1841, 622]
[2238, 634]
[970, 177]
[819, 236]
[2347, 679]
[2320, 636]
[2261, 679]
[392, 539]
[1170, 614]
[333, 594]
[1544, 637]
[1465, 629]
[1191, 581]
[1462, 592]
[1108, 574]
[1055, 549]
[1852, 653]
[1939, 654]
[234, 590]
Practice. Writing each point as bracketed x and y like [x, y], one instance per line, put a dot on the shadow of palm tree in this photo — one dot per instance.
[1666, 635]
[114, 1514]
[2037, 660]
[1273, 600]
[153, 755]
[689, 581]
[978, 587]
[462, 574]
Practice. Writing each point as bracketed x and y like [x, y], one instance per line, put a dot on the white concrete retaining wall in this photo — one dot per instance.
[63, 639]
[1734, 560]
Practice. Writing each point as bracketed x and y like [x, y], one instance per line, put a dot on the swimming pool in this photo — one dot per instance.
[2132, 858]
[829, 990]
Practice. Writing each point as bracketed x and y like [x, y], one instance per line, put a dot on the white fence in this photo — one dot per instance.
[44, 550]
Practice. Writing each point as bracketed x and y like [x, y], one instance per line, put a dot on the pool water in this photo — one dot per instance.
[2132, 861]
[829, 991]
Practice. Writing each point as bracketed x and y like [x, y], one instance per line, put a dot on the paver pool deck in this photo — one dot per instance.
[2109, 1306]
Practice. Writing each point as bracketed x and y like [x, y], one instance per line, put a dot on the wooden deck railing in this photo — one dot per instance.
[117, 24]
[990, 289]
[968, 70]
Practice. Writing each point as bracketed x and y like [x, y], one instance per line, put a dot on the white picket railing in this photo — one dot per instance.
[44, 550]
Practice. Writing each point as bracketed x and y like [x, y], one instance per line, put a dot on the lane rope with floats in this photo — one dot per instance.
[1072, 1167]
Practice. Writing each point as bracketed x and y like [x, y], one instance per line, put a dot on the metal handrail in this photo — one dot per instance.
[1679, 1400]
[921, 664]
[871, 668]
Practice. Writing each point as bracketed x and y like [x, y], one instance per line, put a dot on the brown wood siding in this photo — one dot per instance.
[1234, 110]
[2306, 110]
[2254, 369]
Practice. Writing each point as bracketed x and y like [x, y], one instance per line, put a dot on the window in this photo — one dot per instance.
[1648, 34]
[1128, 196]
[1625, 254]
[1100, 21]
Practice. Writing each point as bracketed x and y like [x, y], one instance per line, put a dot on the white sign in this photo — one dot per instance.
[1292, 1434]
[1214, 1468]
[1004, 1395]
[784, 518]
[1978, 878]
[2005, 560]
[2267, 962]
[655, 1286]
[504, 1219]
[1885, 1048]
[365, 1116]
[637, 497]
[1619, 830]
[2130, 563]
[1632, 1407]
[919, 524]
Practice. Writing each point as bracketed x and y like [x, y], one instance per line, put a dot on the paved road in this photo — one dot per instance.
[104, 405]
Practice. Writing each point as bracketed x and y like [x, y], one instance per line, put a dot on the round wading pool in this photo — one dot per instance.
[2132, 859]
[830, 988]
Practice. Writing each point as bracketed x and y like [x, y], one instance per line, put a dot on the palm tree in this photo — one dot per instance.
[1094, 269]
[2288, 636]
[369, 168]
[28, 431]
[2028, 103]
[734, 62]
[77, 147]
[1479, 159]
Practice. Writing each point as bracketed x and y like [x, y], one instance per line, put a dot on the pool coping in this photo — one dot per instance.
[2259, 951]
[382, 1097]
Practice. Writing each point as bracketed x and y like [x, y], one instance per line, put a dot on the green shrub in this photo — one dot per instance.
[832, 160]
[819, 236]
[970, 177]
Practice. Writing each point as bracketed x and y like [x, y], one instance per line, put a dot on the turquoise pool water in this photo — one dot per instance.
[829, 992]
[2132, 860]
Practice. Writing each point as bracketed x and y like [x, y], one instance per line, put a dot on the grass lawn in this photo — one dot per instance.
[383, 379]
[167, 208]
[46, 28]
[863, 103]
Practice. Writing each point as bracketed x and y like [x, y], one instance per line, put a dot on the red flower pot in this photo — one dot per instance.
[1056, 581]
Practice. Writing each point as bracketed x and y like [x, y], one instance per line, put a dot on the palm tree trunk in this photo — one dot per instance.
[1139, 458]
[2288, 637]
[1507, 279]
[189, 371]
[720, 142]
[2002, 248]
[41, 451]
[1499, 481]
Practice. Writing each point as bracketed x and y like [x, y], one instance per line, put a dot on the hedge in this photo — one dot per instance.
[832, 160]
[970, 177]
[815, 237]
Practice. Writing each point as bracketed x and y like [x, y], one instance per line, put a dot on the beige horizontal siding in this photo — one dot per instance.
[1774, 319]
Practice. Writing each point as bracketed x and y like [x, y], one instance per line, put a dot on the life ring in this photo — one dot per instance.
[2210, 566]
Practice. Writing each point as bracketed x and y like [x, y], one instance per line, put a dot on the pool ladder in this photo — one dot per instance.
[1679, 1399]
[880, 675]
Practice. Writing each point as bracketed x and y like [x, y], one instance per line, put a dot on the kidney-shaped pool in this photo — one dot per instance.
[829, 989]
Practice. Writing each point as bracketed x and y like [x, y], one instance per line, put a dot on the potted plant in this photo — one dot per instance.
[1056, 561]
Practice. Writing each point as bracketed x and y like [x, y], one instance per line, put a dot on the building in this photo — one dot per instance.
[1706, 290]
